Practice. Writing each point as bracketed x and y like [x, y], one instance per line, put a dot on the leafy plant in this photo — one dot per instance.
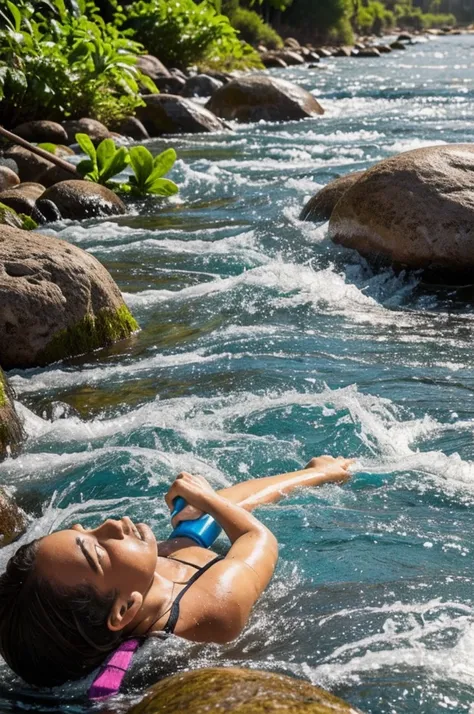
[103, 163]
[254, 30]
[106, 162]
[149, 172]
[186, 33]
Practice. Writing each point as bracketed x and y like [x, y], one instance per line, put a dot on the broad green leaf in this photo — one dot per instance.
[105, 153]
[162, 187]
[16, 15]
[86, 167]
[87, 146]
[148, 83]
[116, 165]
[142, 164]
[163, 163]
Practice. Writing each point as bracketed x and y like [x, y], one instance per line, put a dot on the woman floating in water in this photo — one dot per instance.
[70, 599]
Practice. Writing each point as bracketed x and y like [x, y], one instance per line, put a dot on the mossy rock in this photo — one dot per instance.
[238, 691]
[11, 430]
[56, 301]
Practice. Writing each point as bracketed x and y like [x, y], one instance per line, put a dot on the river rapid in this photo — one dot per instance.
[263, 345]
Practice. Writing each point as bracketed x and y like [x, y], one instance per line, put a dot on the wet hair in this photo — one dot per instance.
[50, 634]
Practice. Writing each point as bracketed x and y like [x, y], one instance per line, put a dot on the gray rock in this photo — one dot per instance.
[22, 199]
[343, 52]
[292, 43]
[41, 131]
[170, 114]
[383, 49]
[30, 166]
[48, 209]
[201, 85]
[170, 85]
[8, 178]
[235, 690]
[323, 52]
[84, 199]
[290, 57]
[414, 209]
[398, 46]
[368, 52]
[56, 301]
[270, 60]
[132, 127]
[95, 129]
[152, 67]
[321, 206]
[251, 98]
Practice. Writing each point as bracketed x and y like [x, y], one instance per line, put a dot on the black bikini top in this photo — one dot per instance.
[174, 613]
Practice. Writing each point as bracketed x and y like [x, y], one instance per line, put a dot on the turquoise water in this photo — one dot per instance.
[262, 345]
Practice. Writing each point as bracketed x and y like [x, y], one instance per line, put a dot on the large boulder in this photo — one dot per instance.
[11, 436]
[152, 67]
[171, 114]
[321, 206]
[84, 199]
[56, 301]
[243, 691]
[255, 97]
[95, 129]
[41, 131]
[414, 209]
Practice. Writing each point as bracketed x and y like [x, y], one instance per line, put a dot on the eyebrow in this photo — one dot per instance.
[87, 555]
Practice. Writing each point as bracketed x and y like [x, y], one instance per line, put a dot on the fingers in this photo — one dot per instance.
[172, 492]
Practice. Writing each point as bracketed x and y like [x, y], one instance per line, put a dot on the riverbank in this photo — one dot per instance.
[263, 344]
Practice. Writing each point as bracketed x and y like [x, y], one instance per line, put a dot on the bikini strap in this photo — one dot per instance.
[174, 613]
[184, 562]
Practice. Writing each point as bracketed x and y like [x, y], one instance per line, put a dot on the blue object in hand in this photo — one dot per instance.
[203, 530]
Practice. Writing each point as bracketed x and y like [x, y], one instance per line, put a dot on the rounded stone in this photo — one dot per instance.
[243, 691]
[171, 114]
[415, 209]
[321, 206]
[170, 85]
[40, 131]
[84, 199]
[22, 199]
[152, 67]
[201, 85]
[56, 301]
[13, 520]
[270, 60]
[30, 166]
[93, 128]
[8, 178]
[11, 436]
[258, 97]
[290, 57]
[132, 127]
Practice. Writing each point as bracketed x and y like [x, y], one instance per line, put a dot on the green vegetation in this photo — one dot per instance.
[9, 217]
[90, 333]
[254, 30]
[187, 33]
[106, 162]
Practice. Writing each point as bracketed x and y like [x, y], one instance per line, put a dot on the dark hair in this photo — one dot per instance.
[51, 634]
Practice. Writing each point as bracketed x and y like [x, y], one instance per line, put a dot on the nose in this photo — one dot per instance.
[110, 529]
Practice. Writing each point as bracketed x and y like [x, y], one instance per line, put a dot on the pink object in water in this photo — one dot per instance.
[110, 678]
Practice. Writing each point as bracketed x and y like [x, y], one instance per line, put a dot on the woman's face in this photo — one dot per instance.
[117, 556]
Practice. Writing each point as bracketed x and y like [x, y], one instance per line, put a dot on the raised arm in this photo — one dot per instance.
[223, 598]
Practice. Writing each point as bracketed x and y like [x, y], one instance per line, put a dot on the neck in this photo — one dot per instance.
[156, 603]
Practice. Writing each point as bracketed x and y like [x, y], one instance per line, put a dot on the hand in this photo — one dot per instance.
[337, 469]
[195, 490]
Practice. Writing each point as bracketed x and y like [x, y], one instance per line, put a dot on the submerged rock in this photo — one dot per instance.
[84, 199]
[11, 436]
[414, 209]
[171, 114]
[243, 691]
[56, 301]
[252, 98]
[321, 206]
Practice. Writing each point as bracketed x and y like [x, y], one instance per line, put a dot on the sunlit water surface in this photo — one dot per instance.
[262, 345]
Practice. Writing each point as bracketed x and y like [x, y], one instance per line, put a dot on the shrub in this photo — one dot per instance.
[67, 65]
[182, 33]
[254, 30]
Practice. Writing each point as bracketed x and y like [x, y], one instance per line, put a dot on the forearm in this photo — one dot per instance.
[270, 489]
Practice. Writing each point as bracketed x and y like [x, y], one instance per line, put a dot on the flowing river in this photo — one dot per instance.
[263, 345]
